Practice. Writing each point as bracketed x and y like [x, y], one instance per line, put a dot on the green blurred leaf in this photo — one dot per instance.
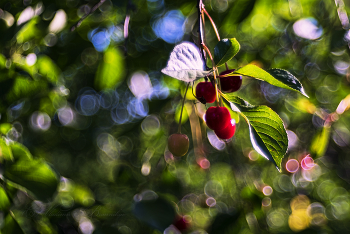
[11, 225]
[111, 71]
[29, 31]
[157, 213]
[2, 61]
[33, 174]
[239, 11]
[5, 151]
[5, 127]
[267, 132]
[20, 152]
[277, 77]
[4, 200]
[225, 50]
[25, 88]
[83, 195]
[223, 222]
[48, 68]
[320, 142]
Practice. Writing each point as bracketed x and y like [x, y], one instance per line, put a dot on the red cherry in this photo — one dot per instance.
[181, 224]
[227, 132]
[207, 91]
[178, 144]
[230, 83]
[217, 118]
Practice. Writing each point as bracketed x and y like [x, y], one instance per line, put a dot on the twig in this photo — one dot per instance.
[212, 23]
[200, 31]
[92, 10]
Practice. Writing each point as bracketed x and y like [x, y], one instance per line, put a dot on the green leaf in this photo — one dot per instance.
[225, 50]
[5, 151]
[25, 88]
[111, 70]
[48, 68]
[29, 30]
[5, 127]
[158, 213]
[11, 225]
[4, 200]
[32, 174]
[267, 132]
[276, 77]
[320, 142]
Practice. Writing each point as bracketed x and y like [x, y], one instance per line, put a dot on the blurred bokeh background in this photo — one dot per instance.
[91, 101]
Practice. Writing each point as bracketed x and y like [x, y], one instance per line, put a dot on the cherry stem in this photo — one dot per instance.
[214, 68]
[182, 107]
[212, 23]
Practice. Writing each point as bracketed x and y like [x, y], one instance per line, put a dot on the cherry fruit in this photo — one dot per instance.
[230, 84]
[207, 91]
[217, 118]
[178, 144]
[227, 132]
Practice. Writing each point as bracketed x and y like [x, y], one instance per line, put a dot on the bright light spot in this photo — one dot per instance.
[316, 212]
[26, 15]
[87, 104]
[267, 190]
[213, 188]
[341, 67]
[150, 125]
[50, 39]
[253, 155]
[171, 230]
[266, 202]
[140, 85]
[341, 136]
[40, 121]
[307, 163]
[215, 141]
[8, 17]
[86, 227]
[170, 27]
[31, 59]
[292, 139]
[108, 144]
[292, 165]
[65, 115]
[138, 108]
[146, 169]
[59, 22]
[313, 173]
[308, 28]
[203, 163]
[210, 201]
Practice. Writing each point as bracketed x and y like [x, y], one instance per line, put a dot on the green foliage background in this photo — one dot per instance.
[96, 175]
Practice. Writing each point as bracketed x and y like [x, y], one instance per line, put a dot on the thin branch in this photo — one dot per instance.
[200, 30]
[92, 10]
[212, 23]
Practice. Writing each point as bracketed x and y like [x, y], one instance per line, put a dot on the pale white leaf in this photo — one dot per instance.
[185, 63]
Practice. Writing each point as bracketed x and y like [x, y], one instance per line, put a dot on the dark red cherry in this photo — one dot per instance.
[207, 91]
[217, 118]
[178, 144]
[227, 132]
[230, 83]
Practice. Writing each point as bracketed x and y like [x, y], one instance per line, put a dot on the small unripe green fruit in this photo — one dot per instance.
[178, 144]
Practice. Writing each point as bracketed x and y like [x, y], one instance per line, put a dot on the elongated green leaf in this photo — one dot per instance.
[25, 88]
[111, 70]
[267, 132]
[225, 50]
[5, 151]
[11, 225]
[4, 200]
[320, 142]
[276, 77]
[32, 174]
[48, 68]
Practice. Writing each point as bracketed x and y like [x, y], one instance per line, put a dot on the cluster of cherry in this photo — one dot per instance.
[217, 118]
